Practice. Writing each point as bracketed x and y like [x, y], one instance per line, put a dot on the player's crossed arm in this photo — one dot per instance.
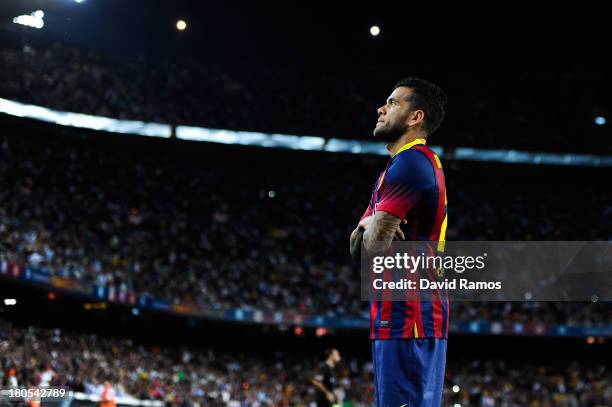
[382, 227]
[356, 240]
[381, 230]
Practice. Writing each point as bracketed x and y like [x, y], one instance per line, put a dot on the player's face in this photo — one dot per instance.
[393, 116]
[336, 356]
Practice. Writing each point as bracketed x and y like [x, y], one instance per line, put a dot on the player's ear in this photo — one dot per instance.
[416, 117]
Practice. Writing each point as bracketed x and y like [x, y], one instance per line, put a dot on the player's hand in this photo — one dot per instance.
[330, 397]
[399, 234]
[365, 223]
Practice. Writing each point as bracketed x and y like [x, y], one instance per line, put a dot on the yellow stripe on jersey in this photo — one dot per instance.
[442, 241]
[438, 160]
[410, 145]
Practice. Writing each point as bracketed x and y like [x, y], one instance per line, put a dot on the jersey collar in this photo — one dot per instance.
[410, 145]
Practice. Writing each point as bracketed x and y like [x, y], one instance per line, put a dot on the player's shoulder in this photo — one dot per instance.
[324, 369]
[413, 167]
[415, 160]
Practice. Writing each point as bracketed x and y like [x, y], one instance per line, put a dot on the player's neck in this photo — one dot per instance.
[394, 146]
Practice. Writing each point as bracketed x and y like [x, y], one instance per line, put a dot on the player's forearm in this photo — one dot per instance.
[379, 236]
[356, 239]
[321, 387]
[376, 243]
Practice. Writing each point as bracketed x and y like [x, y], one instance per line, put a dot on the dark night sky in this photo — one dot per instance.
[322, 34]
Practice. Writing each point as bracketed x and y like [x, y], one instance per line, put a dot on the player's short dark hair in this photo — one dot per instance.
[428, 97]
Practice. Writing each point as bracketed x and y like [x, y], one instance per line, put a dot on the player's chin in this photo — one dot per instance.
[381, 135]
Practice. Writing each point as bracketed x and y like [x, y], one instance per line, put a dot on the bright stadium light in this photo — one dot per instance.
[600, 120]
[79, 1]
[10, 301]
[34, 20]
[456, 389]
[375, 30]
[181, 25]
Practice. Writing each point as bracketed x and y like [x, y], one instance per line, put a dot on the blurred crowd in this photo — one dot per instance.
[521, 107]
[33, 357]
[268, 231]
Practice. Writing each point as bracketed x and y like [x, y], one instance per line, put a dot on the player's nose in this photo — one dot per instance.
[381, 110]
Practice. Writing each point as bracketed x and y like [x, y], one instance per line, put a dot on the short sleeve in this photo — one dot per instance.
[407, 178]
[367, 213]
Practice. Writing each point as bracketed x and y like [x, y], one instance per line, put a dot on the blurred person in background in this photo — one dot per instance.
[107, 398]
[325, 380]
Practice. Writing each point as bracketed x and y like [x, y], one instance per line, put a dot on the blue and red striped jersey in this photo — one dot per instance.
[412, 187]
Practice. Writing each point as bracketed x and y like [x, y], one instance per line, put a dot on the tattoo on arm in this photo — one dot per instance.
[381, 231]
